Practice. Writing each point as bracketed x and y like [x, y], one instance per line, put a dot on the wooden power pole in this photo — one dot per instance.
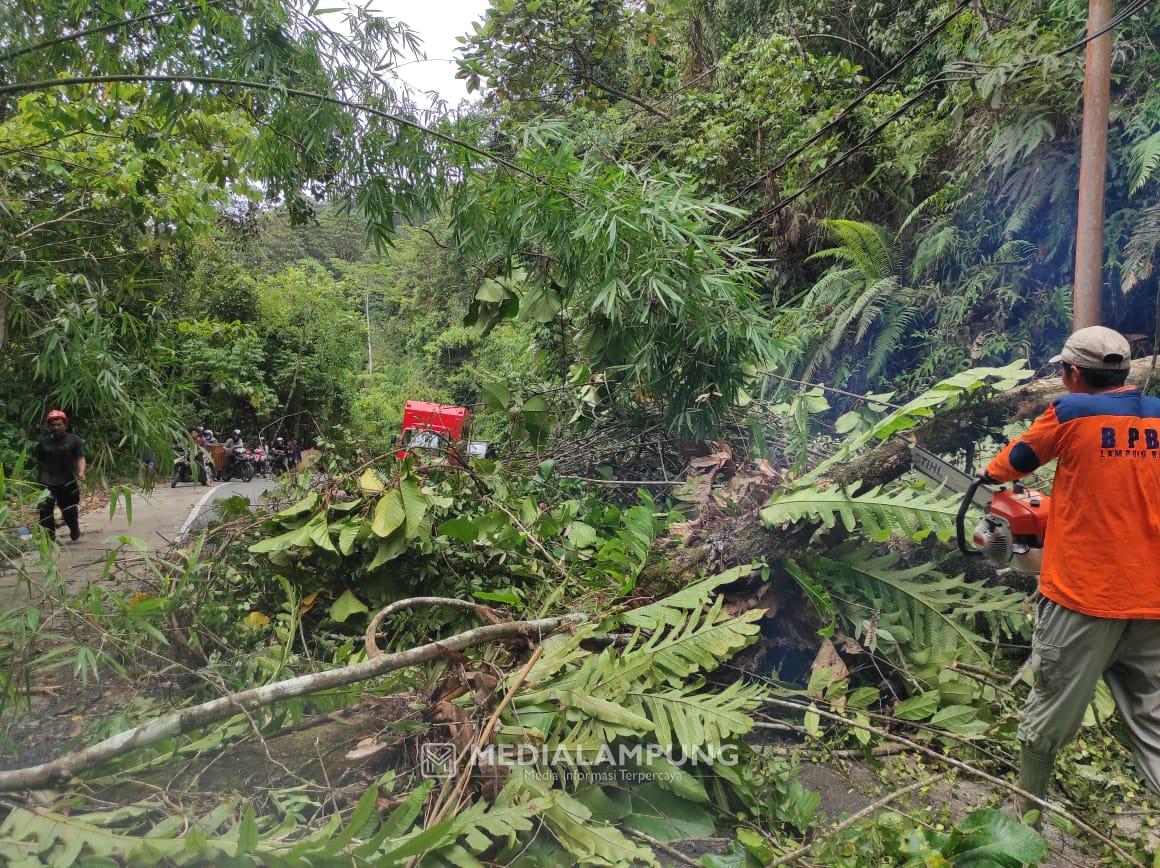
[1093, 162]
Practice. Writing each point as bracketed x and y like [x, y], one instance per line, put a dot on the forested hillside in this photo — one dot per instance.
[703, 271]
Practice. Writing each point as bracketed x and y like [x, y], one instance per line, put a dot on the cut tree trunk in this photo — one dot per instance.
[726, 540]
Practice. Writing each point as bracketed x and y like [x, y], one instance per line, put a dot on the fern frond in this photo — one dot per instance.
[1144, 160]
[700, 645]
[940, 202]
[1140, 251]
[694, 721]
[652, 681]
[867, 247]
[877, 513]
[915, 595]
[932, 248]
[896, 323]
[59, 839]
[673, 610]
[1019, 217]
[570, 822]
[1015, 250]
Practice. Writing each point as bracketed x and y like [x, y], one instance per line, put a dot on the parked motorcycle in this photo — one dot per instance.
[183, 468]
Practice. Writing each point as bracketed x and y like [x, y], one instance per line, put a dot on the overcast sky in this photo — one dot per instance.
[437, 22]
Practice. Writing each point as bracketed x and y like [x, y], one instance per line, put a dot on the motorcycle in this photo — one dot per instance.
[238, 466]
[183, 468]
[261, 459]
[279, 461]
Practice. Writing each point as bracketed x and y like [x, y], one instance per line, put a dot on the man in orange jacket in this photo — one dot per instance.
[1098, 612]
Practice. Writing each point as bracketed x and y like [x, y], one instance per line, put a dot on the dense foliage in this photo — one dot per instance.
[906, 176]
[712, 224]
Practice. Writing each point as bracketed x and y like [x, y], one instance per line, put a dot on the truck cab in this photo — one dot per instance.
[432, 428]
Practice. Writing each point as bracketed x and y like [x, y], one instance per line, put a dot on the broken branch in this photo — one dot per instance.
[179, 722]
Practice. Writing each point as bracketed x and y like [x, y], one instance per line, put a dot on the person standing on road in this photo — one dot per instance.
[61, 459]
[1098, 611]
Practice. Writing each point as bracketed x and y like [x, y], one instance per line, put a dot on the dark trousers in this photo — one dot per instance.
[67, 497]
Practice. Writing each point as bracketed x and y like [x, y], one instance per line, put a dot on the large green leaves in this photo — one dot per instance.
[990, 837]
[390, 513]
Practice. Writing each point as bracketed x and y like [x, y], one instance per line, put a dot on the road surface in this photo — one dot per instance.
[159, 518]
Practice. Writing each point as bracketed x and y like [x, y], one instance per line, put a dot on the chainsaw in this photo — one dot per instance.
[1014, 521]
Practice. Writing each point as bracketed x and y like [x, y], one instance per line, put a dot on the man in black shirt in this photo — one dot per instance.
[61, 457]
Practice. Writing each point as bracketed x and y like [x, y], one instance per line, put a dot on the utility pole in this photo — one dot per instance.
[1093, 163]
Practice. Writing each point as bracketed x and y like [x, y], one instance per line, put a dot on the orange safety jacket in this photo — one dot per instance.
[1101, 555]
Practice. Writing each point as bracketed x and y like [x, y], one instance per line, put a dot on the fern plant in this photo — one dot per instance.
[651, 684]
[1144, 161]
[914, 607]
[860, 298]
[879, 514]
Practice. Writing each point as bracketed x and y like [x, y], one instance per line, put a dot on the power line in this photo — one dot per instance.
[1118, 19]
[858, 100]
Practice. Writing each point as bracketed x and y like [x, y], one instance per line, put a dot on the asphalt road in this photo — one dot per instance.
[202, 512]
[158, 519]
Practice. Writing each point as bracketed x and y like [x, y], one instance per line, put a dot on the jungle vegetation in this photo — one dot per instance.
[693, 264]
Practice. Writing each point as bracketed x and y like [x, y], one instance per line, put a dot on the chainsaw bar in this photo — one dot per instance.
[947, 475]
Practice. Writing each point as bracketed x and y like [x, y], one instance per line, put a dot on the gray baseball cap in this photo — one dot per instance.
[1096, 348]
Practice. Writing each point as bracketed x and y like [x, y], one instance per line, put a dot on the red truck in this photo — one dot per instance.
[431, 427]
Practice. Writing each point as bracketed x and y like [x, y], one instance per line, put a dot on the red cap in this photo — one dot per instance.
[55, 414]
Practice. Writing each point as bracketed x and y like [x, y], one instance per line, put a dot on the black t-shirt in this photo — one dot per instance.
[58, 458]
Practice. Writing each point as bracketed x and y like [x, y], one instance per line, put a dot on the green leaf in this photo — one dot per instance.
[847, 422]
[581, 535]
[666, 816]
[302, 507]
[370, 482]
[608, 712]
[299, 536]
[991, 837]
[388, 550]
[346, 605]
[491, 291]
[918, 707]
[415, 504]
[960, 719]
[534, 409]
[496, 395]
[347, 535]
[540, 304]
[676, 780]
[389, 514]
[320, 534]
[459, 528]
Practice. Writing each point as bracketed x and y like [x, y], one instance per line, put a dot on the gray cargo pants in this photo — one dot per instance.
[1069, 653]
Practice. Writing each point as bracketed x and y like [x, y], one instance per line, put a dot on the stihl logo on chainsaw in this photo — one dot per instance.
[1109, 448]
